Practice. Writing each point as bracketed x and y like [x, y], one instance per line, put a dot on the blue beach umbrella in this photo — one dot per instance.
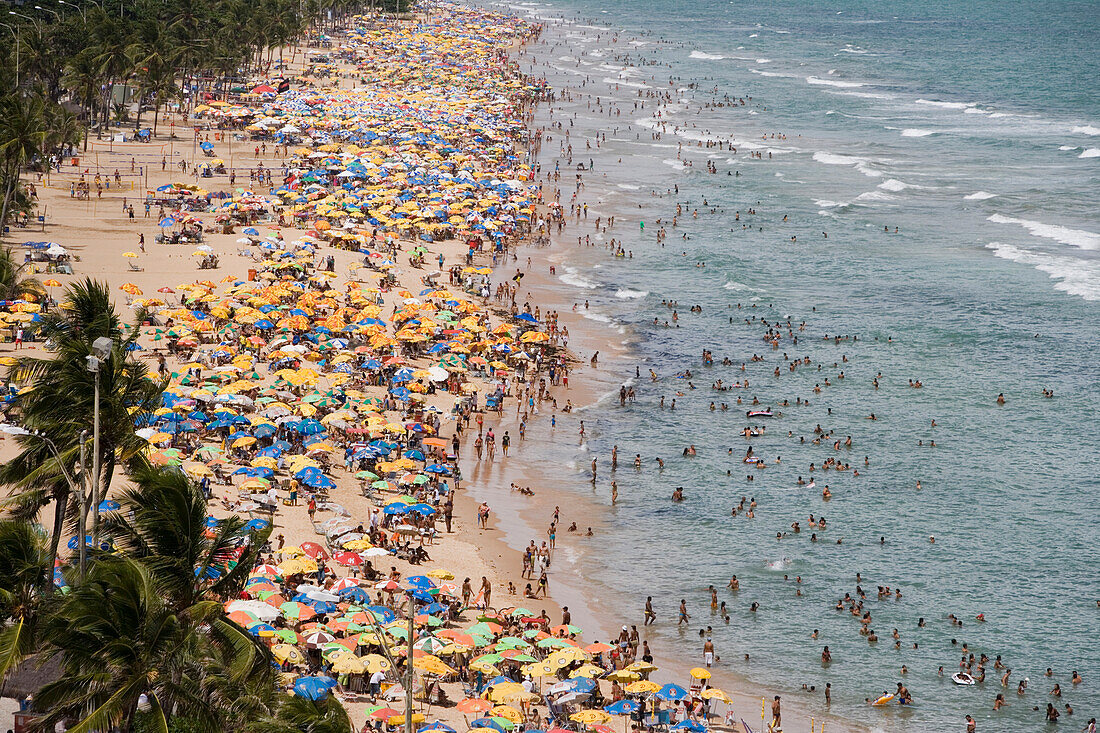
[436, 727]
[671, 693]
[622, 707]
[313, 688]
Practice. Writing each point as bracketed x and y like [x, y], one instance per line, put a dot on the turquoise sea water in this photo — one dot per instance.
[974, 128]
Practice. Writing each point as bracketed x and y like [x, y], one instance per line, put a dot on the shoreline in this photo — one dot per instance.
[493, 552]
[582, 594]
[502, 548]
[588, 335]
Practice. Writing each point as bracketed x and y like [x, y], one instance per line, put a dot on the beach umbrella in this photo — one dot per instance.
[313, 688]
[622, 707]
[713, 693]
[474, 705]
[642, 687]
[436, 727]
[691, 726]
[671, 693]
[287, 653]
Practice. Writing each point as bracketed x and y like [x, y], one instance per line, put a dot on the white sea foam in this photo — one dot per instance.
[1090, 153]
[893, 184]
[763, 61]
[1086, 130]
[628, 294]
[672, 162]
[1074, 237]
[572, 277]
[860, 164]
[624, 82]
[874, 196]
[1074, 276]
[706, 56]
[1069, 147]
[628, 186]
[734, 285]
[916, 132]
[849, 49]
[980, 196]
[833, 83]
[863, 95]
[772, 74]
[944, 105]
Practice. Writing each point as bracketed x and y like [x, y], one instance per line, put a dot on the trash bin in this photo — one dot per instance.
[251, 275]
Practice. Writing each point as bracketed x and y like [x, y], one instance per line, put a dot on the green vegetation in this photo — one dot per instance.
[65, 70]
[142, 642]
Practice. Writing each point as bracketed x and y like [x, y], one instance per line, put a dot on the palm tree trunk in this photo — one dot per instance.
[61, 504]
[11, 178]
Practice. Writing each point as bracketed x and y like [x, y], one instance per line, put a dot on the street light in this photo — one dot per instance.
[12, 29]
[83, 15]
[57, 14]
[101, 352]
[36, 26]
[77, 492]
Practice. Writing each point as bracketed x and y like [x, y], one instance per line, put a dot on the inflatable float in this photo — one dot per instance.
[759, 413]
[888, 697]
[962, 678]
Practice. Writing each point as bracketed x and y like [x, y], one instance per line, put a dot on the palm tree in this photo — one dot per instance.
[13, 285]
[122, 647]
[22, 134]
[25, 581]
[83, 77]
[150, 620]
[299, 715]
[162, 522]
[58, 401]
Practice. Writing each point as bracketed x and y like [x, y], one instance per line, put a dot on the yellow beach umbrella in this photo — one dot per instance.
[642, 687]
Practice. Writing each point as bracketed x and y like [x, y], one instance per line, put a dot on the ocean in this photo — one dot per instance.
[926, 187]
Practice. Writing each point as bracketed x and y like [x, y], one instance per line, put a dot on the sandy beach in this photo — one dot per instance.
[98, 231]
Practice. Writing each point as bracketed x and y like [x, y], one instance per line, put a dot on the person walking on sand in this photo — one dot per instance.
[776, 713]
[486, 593]
[650, 615]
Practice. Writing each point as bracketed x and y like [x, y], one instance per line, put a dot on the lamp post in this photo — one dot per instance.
[12, 29]
[56, 14]
[27, 17]
[76, 491]
[101, 352]
[83, 14]
[409, 672]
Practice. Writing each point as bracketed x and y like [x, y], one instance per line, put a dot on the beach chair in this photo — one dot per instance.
[135, 268]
